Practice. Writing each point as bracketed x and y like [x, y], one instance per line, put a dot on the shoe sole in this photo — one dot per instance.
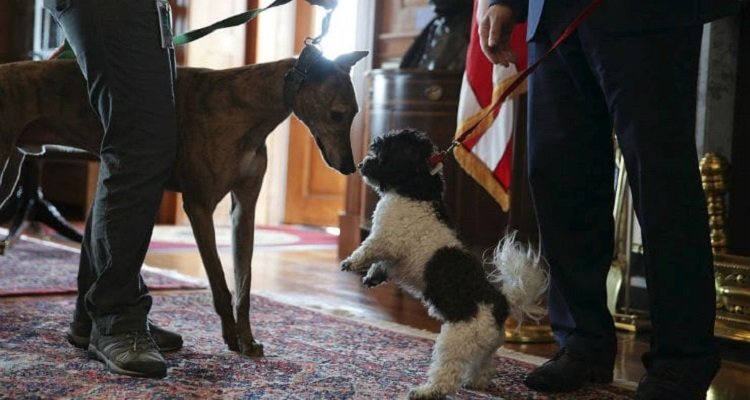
[112, 367]
[82, 342]
[77, 341]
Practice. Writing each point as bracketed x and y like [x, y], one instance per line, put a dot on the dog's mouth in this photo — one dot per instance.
[366, 167]
[345, 165]
[371, 182]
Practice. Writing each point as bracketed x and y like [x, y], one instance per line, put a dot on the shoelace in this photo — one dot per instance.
[147, 341]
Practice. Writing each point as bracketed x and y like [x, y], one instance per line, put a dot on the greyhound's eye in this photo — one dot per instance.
[337, 116]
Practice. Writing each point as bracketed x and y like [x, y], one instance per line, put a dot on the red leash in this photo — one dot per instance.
[438, 158]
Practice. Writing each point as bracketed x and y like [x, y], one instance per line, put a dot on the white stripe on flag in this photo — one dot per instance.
[492, 144]
[468, 105]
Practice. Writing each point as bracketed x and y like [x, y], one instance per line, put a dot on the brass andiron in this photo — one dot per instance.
[626, 317]
[713, 167]
[731, 271]
[529, 332]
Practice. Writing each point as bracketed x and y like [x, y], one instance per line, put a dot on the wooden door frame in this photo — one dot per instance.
[350, 233]
[305, 27]
[251, 35]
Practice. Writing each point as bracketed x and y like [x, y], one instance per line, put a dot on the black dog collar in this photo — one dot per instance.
[296, 76]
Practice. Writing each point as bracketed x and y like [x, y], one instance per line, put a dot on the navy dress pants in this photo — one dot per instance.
[642, 86]
[130, 81]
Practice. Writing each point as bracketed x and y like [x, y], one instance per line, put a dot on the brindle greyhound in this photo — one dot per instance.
[224, 119]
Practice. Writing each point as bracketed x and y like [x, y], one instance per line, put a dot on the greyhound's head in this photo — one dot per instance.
[324, 100]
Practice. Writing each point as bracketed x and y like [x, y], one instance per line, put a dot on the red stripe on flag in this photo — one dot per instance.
[503, 169]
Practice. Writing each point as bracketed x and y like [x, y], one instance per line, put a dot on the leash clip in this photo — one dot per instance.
[323, 30]
[436, 160]
[164, 11]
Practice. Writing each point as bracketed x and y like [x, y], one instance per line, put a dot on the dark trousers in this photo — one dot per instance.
[644, 87]
[130, 83]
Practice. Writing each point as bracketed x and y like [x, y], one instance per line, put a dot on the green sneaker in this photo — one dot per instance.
[133, 353]
[78, 335]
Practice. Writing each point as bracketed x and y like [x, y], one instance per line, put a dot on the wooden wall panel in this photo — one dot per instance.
[5, 38]
[396, 26]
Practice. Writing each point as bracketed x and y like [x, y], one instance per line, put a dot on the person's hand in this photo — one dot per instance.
[494, 34]
[327, 4]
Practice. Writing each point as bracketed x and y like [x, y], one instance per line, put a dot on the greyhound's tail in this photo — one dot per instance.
[520, 274]
[9, 175]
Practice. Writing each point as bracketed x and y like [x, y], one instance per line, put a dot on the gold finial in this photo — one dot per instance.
[714, 167]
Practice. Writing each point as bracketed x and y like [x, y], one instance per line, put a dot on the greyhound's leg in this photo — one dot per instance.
[244, 199]
[203, 229]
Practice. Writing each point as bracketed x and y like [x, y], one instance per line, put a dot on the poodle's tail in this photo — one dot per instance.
[519, 272]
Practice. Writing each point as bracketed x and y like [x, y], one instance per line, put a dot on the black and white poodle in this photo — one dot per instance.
[412, 244]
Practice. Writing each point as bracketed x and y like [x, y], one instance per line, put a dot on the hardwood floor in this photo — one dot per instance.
[312, 279]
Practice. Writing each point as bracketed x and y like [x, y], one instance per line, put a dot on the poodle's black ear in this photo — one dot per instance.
[423, 163]
[422, 147]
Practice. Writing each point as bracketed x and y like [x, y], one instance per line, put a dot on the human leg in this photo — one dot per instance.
[571, 166]
[79, 330]
[130, 83]
[650, 83]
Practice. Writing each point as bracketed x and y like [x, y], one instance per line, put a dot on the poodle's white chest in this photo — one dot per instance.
[413, 233]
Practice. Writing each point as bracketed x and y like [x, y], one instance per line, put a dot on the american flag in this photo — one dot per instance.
[486, 155]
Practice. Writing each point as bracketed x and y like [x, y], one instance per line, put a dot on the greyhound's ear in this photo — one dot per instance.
[346, 61]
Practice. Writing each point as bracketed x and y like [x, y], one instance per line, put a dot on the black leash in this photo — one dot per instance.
[66, 52]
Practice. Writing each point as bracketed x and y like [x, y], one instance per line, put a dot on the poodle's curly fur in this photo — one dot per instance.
[412, 243]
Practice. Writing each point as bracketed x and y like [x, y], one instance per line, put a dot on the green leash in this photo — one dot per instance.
[187, 37]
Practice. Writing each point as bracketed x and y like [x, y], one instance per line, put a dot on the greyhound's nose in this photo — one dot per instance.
[348, 168]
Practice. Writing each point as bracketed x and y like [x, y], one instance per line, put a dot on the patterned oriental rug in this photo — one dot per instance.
[308, 355]
[35, 267]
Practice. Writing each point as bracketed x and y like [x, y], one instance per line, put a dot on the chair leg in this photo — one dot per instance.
[30, 207]
[46, 213]
[19, 223]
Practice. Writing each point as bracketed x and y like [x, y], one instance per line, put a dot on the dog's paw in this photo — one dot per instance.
[426, 392]
[481, 378]
[371, 281]
[253, 349]
[346, 265]
[478, 383]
